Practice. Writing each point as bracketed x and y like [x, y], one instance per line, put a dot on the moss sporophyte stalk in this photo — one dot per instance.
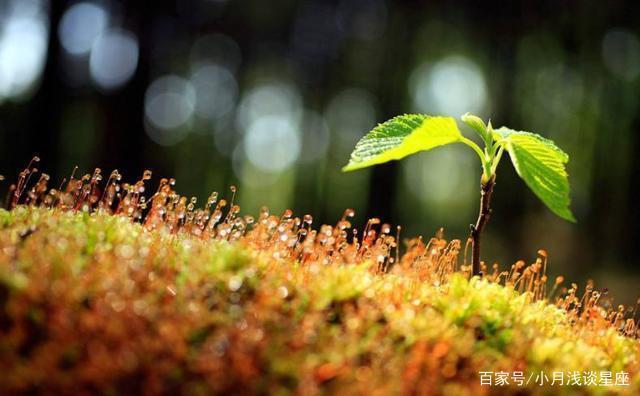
[114, 287]
[538, 161]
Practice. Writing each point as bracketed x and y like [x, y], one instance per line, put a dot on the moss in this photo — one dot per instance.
[105, 302]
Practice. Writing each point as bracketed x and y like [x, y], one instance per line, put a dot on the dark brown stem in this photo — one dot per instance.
[486, 189]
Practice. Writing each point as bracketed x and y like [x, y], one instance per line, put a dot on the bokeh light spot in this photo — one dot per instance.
[452, 86]
[113, 59]
[272, 143]
[169, 104]
[275, 98]
[216, 91]
[80, 26]
[23, 48]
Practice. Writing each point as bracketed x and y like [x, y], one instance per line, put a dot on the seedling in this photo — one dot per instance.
[538, 161]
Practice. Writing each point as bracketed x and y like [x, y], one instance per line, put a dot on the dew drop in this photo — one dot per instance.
[235, 283]
[283, 292]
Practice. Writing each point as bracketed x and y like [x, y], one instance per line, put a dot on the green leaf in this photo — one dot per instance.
[476, 123]
[402, 136]
[541, 164]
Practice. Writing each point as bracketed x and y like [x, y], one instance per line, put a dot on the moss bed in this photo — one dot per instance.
[95, 303]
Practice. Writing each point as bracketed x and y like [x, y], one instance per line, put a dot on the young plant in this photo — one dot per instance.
[538, 161]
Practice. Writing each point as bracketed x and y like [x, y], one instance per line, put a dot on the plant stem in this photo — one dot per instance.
[486, 189]
[475, 148]
[496, 160]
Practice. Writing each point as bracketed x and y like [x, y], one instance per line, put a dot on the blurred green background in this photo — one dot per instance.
[272, 96]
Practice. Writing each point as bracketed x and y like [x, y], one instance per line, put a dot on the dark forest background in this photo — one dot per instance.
[273, 95]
